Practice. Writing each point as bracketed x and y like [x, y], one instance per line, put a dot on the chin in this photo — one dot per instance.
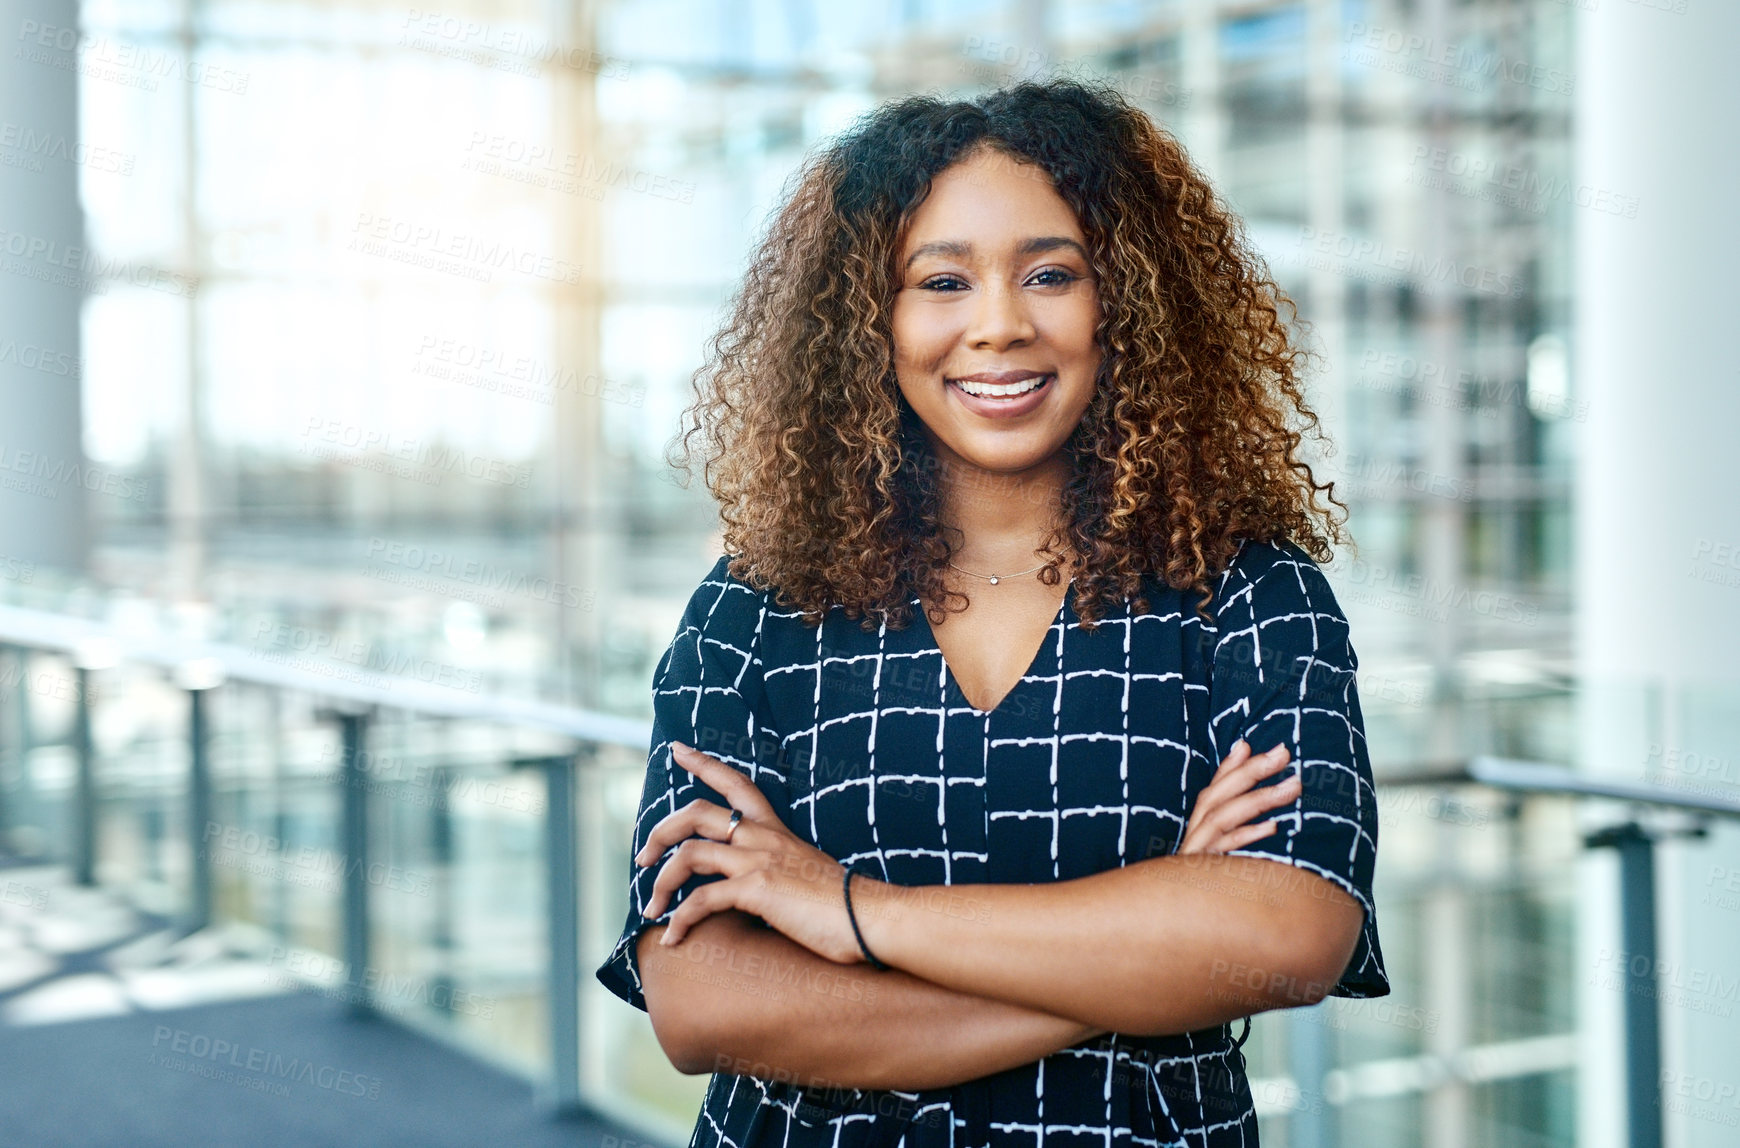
[1004, 458]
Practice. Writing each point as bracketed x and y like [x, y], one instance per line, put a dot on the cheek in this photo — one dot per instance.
[918, 342]
[1071, 323]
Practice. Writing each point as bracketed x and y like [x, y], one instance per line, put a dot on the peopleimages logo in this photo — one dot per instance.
[437, 248]
[134, 65]
[506, 48]
[198, 1048]
[332, 978]
[55, 473]
[1459, 64]
[317, 651]
[1512, 183]
[1380, 475]
[515, 375]
[39, 145]
[1430, 592]
[1328, 245]
[51, 261]
[426, 560]
[227, 845]
[334, 440]
[34, 358]
[569, 172]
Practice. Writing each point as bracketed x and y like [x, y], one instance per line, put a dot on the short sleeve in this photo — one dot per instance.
[1283, 671]
[706, 693]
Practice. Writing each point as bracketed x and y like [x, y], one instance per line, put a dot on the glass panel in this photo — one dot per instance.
[421, 295]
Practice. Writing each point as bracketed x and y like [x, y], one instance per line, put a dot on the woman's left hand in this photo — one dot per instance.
[769, 871]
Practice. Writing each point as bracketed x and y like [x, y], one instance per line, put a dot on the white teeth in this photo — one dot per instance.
[1001, 391]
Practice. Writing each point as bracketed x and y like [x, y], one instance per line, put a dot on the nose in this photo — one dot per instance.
[999, 319]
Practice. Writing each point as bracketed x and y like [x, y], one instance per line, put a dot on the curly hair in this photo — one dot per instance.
[828, 490]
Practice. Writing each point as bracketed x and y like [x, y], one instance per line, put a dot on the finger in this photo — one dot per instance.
[696, 855]
[729, 782]
[1213, 841]
[1240, 752]
[1243, 836]
[679, 826]
[1241, 810]
[1250, 767]
[1220, 810]
[1237, 776]
[711, 898]
[1265, 764]
[699, 818]
[1241, 777]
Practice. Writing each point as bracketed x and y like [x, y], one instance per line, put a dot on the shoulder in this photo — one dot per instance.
[724, 616]
[1276, 623]
[723, 602]
[1273, 606]
[1269, 580]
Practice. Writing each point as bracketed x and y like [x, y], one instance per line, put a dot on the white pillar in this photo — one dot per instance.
[42, 505]
[1325, 203]
[187, 494]
[585, 512]
[1657, 498]
[1204, 121]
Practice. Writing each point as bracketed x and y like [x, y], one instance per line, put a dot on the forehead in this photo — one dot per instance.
[991, 200]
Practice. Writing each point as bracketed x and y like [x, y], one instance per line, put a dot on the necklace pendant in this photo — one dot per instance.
[993, 579]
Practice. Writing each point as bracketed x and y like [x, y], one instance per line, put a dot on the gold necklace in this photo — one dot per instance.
[993, 579]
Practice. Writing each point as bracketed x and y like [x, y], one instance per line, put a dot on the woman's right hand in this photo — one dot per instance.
[1220, 822]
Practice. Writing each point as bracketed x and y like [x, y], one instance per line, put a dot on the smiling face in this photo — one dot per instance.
[994, 321]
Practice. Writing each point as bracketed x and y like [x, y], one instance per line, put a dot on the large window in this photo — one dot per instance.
[401, 304]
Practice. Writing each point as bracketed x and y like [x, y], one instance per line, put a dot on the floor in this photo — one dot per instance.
[116, 1030]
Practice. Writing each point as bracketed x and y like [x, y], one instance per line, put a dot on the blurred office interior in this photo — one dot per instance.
[340, 348]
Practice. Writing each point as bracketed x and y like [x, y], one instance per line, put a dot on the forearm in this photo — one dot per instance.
[735, 996]
[1149, 948]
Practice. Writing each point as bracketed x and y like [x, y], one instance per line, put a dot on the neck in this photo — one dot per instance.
[1001, 518]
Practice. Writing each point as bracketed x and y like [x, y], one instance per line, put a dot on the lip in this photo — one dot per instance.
[1002, 408]
[1001, 378]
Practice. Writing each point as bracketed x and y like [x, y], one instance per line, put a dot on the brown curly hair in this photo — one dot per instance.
[828, 490]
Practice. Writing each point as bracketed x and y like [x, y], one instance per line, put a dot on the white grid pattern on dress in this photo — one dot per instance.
[865, 745]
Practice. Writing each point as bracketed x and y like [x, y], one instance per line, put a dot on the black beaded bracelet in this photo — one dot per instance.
[846, 888]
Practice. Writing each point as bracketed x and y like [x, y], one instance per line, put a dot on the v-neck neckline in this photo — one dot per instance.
[1039, 651]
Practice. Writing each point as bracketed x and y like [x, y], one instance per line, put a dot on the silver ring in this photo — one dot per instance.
[736, 819]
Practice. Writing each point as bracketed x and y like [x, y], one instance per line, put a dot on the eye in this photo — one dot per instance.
[1054, 277]
[942, 283]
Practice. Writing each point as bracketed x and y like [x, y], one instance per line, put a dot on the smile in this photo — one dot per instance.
[1000, 390]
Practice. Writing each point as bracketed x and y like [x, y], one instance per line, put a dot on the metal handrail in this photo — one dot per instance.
[1539, 777]
[97, 644]
[199, 666]
[1635, 844]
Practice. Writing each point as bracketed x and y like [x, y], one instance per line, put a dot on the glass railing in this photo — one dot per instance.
[458, 861]
[449, 859]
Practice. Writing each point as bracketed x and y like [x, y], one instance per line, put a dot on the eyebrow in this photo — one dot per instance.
[1035, 246]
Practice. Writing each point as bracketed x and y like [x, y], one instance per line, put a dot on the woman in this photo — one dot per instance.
[1004, 426]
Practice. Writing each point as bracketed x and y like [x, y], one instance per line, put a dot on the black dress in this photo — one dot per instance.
[868, 749]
